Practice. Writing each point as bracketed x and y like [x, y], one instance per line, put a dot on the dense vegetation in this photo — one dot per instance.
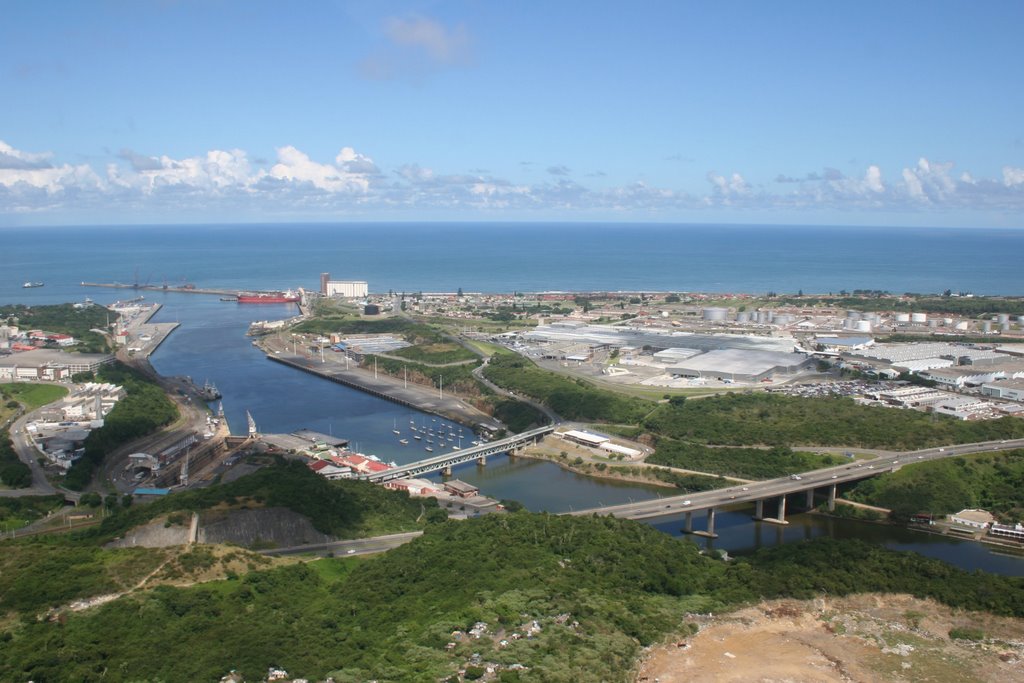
[17, 512]
[518, 416]
[13, 472]
[35, 576]
[598, 588]
[971, 307]
[436, 353]
[773, 419]
[346, 509]
[991, 481]
[746, 463]
[454, 377]
[572, 399]
[143, 410]
[64, 319]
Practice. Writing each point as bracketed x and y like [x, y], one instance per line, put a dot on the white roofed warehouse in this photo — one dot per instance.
[741, 365]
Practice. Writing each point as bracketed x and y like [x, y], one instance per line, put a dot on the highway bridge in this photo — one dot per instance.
[825, 480]
[445, 461]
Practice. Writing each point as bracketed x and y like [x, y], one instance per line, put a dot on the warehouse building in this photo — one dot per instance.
[49, 364]
[1011, 389]
[741, 365]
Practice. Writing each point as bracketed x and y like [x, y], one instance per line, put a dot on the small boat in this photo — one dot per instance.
[404, 442]
[456, 448]
[430, 441]
[417, 437]
[428, 449]
[30, 285]
[395, 428]
[229, 298]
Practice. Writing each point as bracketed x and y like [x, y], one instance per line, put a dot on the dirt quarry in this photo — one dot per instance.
[859, 638]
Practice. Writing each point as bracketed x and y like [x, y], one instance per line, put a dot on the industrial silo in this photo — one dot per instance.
[902, 318]
[919, 318]
[862, 326]
[714, 314]
[743, 317]
[986, 327]
[1003, 318]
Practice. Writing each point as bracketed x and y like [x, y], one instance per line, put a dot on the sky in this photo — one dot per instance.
[831, 113]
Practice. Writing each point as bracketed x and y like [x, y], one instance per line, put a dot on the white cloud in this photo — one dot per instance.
[1013, 176]
[26, 175]
[443, 45]
[297, 185]
[416, 46]
[295, 165]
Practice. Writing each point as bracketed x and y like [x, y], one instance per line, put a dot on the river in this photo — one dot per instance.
[211, 345]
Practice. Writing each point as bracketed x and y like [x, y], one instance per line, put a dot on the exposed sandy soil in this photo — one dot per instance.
[860, 638]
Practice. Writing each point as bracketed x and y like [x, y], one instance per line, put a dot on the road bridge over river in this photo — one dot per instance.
[826, 479]
[445, 461]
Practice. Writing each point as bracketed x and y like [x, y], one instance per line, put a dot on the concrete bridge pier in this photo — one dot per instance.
[482, 460]
[810, 499]
[447, 471]
[781, 517]
[758, 510]
[688, 524]
[832, 498]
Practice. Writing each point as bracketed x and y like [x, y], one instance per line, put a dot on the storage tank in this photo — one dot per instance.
[853, 315]
[947, 321]
[743, 317]
[863, 326]
[1005, 327]
[715, 314]
[1003, 318]
[919, 318]
[783, 319]
[903, 317]
[962, 325]
[933, 323]
[762, 317]
[1020, 319]
[986, 327]
[876, 319]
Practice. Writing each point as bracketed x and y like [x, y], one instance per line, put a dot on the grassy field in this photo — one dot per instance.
[32, 396]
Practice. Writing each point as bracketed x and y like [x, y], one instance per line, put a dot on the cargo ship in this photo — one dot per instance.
[288, 297]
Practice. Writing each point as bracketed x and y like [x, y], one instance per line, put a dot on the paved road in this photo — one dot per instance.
[773, 488]
[359, 546]
[28, 454]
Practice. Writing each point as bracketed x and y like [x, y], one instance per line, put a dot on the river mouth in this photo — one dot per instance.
[211, 344]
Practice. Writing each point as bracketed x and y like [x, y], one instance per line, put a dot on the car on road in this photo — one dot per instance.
[835, 476]
[687, 502]
[350, 551]
[795, 477]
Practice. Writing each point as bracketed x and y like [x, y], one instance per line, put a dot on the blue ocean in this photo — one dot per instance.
[494, 257]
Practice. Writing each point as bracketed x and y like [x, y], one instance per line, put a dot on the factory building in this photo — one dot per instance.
[741, 365]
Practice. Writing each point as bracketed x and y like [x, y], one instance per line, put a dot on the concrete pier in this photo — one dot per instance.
[781, 517]
[832, 498]
[810, 499]
[759, 509]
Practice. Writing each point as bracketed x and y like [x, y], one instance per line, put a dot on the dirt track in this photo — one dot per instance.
[861, 638]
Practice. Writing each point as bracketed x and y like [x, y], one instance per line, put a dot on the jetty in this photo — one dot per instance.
[185, 289]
